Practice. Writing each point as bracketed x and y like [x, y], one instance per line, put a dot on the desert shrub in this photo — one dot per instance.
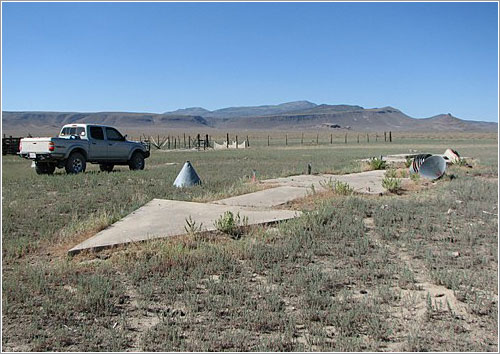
[338, 187]
[377, 164]
[96, 294]
[391, 184]
[391, 173]
[415, 177]
[342, 188]
[192, 229]
[230, 224]
[408, 162]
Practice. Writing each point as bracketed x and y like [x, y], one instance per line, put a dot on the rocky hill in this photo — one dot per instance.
[299, 115]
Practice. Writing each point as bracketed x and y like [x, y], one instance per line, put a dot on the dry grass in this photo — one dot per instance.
[351, 274]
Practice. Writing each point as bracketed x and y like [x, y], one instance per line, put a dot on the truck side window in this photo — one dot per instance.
[96, 133]
[113, 134]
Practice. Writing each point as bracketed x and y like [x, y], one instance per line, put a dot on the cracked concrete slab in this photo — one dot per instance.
[266, 198]
[163, 218]
[369, 182]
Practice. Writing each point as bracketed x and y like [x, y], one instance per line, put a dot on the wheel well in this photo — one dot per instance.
[136, 150]
[81, 151]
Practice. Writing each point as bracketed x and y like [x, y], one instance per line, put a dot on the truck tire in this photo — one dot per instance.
[44, 168]
[106, 167]
[137, 161]
[76, 163]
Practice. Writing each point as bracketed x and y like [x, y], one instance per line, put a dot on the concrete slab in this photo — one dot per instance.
[266, 198]
[369, 182]
[163, 218]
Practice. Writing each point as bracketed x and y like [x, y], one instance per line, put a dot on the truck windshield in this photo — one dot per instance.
[67, 131]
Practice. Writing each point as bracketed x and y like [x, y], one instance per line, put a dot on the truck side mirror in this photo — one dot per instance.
[125, 137]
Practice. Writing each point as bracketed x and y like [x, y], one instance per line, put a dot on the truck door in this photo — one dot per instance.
[118, 147]
[98, 147]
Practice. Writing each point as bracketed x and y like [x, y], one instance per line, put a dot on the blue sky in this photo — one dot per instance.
[423, 58]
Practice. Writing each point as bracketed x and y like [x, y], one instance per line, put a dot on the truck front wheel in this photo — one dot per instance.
[137, 161]
[76, 163]
[44, 168]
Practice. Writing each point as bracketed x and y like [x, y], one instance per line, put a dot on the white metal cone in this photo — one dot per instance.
[187, 177]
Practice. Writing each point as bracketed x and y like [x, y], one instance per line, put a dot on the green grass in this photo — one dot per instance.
[320, 282]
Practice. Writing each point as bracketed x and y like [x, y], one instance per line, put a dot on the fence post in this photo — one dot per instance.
[169, 142]
[385, 136]
[207, 141]
[268, 140]
[331, 138]
[390, 137]
[317, 139]
[189, 141]
[227, 140]
[236, 141]
[199, 142]
[286, 139]
[345, 138]
[358, 138]
[302, 139]
[184, 140]
[367, 138]
[376, 137]
[175, 143]
[248, 142]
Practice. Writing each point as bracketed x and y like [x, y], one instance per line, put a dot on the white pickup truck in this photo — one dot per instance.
[78, 144]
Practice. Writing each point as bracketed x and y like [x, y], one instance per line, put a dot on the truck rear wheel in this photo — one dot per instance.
[137, 161]
[106, 167]
[76, 163]
[44, 168]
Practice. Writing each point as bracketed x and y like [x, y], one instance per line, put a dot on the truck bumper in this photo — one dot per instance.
[42, 157]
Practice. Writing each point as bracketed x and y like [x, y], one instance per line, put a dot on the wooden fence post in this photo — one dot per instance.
[268, 140]
[345, 138]
[184, 140]
[206, 141]
[358, 138]
[236, 141]
[331, 138]
[227, 140]
[286, 139]
[248, 142]
[390, 137]
[367, 138]
[175, 143]
[317, 139]
[189, 141]
[385, 136]
[302, 139]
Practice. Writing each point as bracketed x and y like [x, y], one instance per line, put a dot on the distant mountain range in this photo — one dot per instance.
[298, 115]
